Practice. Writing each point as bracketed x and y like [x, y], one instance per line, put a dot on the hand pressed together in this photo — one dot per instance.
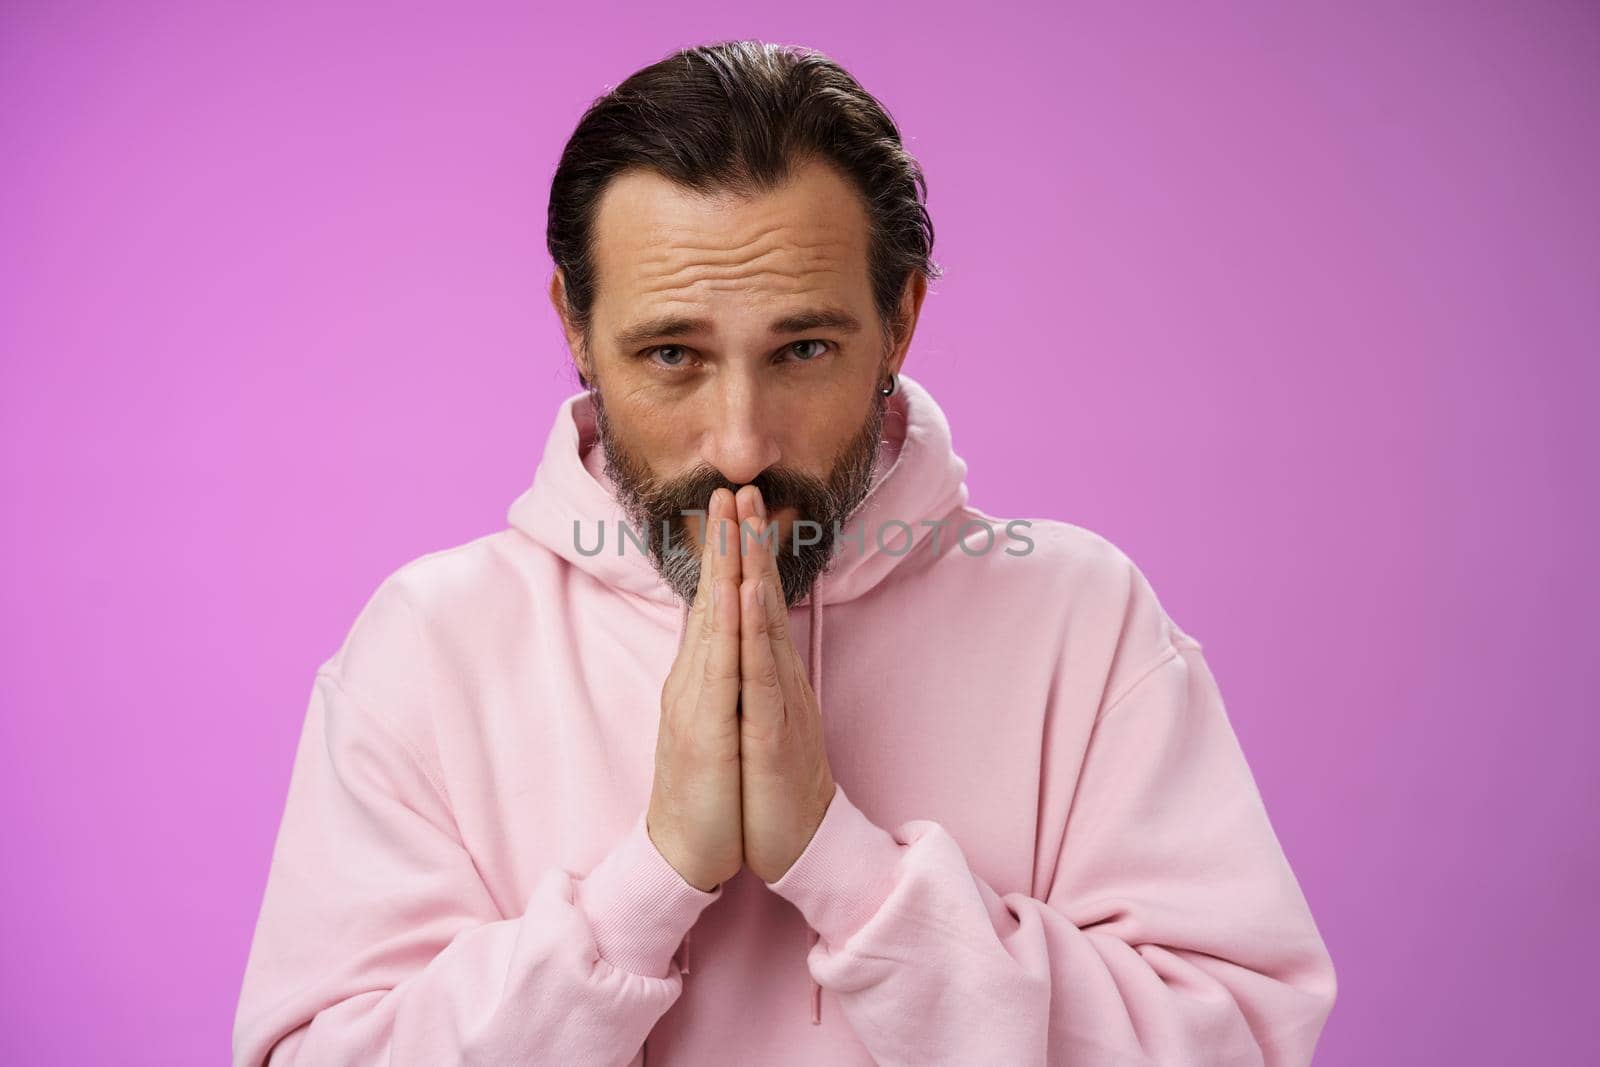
[742, 775]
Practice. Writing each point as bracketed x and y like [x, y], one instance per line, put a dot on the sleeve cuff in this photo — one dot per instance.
[845, 873]
[639, 907]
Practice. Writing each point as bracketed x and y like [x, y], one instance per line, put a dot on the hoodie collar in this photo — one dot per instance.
[917, 477]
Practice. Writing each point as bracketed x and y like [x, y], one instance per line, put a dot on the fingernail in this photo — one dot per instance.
[716, 594]
[761, 594]
[761, 504]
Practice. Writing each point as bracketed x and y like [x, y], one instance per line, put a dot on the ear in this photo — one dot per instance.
[905, 320]
[574, 336]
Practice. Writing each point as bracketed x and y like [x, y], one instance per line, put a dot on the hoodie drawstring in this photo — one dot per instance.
[814, 675]
[814, 670]
[688, 938]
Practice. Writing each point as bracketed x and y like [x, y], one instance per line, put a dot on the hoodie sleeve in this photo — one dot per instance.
[1170, 931]
[378, 943]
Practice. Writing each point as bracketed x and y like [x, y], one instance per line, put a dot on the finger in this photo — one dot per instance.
[724, 535]
[697, 628]
[762, 564]
[702, 598]
[719, 512]
[780, 639]
[757, 538]
[750, 511]
[719, 690]
[760, 685]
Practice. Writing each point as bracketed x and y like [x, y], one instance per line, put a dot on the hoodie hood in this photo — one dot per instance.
[917, 477]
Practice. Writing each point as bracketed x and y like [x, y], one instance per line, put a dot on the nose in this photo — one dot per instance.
[743, 439]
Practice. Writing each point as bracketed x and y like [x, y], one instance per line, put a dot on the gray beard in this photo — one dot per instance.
[654, 507]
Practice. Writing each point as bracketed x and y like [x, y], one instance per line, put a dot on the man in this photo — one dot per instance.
[587, 790]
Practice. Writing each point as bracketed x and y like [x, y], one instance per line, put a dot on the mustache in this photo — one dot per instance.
[780, 488]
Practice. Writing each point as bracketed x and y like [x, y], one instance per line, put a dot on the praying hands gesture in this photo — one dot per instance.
[742, 774]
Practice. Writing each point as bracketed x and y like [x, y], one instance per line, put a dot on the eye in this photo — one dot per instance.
[805, 354]
[670, 355]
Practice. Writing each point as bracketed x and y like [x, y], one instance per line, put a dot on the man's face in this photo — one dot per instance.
[735, 341]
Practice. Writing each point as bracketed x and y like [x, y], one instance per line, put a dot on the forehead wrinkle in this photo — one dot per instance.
[673, 257]
[681, 257]
[686, 291]
[813, 269]
[674, 261]
[777, 236]
[694, 274]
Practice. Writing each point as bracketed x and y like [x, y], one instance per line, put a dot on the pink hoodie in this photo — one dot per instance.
[1046, 846]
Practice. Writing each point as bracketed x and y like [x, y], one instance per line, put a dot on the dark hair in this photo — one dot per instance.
[739, 116]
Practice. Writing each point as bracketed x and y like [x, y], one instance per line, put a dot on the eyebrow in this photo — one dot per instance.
[826, 318]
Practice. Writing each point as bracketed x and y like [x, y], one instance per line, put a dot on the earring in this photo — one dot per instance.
[888, 390]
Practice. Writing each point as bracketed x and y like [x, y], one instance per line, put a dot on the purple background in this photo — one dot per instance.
[1299, 308]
